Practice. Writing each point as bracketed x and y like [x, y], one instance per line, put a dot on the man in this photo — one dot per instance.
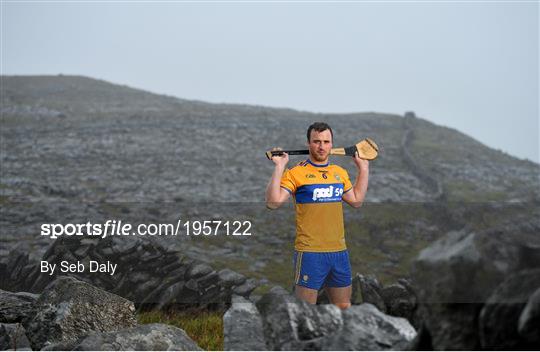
[321, 258]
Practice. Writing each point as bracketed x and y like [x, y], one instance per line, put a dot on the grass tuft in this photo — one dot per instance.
[204, 327]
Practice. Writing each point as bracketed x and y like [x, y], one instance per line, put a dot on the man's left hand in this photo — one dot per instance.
[361, 164]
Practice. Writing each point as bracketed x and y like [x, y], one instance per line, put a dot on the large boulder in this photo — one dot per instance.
[68, 309]
[398, 300]
[291, 324]
[499, 318]
[150, 337]
[529, 320]
[16, 307]
[13, 337]
[367, 289]
[421, 342]
[456, 274]
[14, 270]
[366, 328]
[242, 327]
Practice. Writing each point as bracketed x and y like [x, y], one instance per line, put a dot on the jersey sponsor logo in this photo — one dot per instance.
[327, 192]
[319, 193]
[310, 176]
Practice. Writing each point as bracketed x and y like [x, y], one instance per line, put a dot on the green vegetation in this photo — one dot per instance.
[4, 199]
[386, 215]
[463, 191]
[278, 271]
[204, 327]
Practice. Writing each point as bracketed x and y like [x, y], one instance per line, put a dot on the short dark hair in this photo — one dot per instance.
[319, 127]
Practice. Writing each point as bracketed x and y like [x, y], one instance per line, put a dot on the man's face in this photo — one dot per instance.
[319, 145]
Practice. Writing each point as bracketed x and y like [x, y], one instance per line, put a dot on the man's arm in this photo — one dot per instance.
[355, 197]
[275, 195]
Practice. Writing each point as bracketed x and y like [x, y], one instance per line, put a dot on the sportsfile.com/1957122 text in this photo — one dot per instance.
[120, 228]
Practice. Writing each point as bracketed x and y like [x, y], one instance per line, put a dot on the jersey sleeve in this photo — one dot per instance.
[287, 182]
[347, 185]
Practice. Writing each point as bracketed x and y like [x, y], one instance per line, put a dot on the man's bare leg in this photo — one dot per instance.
[340, 296]
[306, 294]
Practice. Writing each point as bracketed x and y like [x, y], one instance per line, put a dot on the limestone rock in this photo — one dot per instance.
[69, 309]
[231, 278]
[529, 320]
[291, 324]
[242, 325]
[16, 307]
[398, 300]
[366, 328]
[246, 288]
[500, 316]
[13, 337]
[150, 337]
[456, 274]
[198, 270]
[366, 289]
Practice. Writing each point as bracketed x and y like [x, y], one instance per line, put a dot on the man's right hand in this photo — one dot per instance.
[280, 160]
[275, 195]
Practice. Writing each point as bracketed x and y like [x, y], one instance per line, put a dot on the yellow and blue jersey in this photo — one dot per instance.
[317, 192]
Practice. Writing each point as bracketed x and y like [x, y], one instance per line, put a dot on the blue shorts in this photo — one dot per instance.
[322, 269]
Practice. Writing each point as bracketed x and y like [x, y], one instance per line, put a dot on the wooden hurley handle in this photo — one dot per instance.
[349, 151]
[338, 151]
[366, 148]
[271, 153]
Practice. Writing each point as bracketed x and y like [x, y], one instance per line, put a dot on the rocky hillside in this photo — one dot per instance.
[92, 137]
[75, 148]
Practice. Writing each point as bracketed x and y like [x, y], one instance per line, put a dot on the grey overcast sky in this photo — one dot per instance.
[472, 66]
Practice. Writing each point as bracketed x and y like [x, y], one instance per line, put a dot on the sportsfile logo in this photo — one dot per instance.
[324, 193]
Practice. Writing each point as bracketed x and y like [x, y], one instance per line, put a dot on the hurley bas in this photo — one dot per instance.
[78, 267]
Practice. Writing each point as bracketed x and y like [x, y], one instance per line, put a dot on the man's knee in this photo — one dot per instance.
[343, 305]
[306, 294]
